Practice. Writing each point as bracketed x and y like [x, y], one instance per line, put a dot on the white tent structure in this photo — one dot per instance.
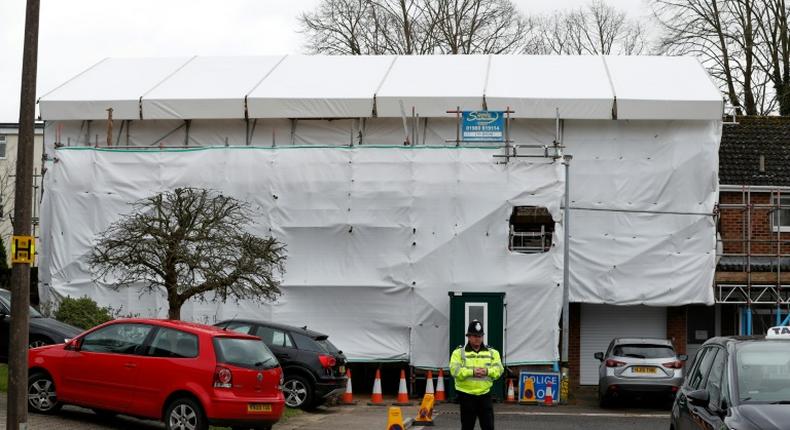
[353, 163]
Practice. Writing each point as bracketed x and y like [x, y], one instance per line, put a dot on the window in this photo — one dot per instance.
[477, 311]
[306, 343]
[531, 230]
[781, 218]
[717, 375]
[249, 353]
[644, 351]
[3, 144]
[117, 339]
[239, 327]
[763, 370]
[700, 371]
[274, 337]
[174, 343]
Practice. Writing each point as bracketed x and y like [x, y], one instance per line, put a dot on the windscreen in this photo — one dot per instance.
[763, 370]
[249, 353]
[644, 351]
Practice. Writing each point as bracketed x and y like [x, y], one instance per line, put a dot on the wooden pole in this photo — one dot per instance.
[16, 417]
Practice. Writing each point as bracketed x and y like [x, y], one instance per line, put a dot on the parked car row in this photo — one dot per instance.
[239, 373]
[733, 383]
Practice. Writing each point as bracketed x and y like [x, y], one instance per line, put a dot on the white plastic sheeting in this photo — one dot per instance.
[642, 196]
[376, 237]
[581, 87]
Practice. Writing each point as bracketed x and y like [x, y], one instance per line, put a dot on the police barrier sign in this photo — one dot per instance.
[483, 126]
[540, 380]
[23, 249]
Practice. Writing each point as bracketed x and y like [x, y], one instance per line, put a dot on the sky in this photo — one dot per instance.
[76, 34]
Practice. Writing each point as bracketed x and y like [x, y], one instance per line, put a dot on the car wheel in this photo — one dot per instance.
[604, 401]
[36, 341]
[41, 394]
[298, 392]
[185, 414]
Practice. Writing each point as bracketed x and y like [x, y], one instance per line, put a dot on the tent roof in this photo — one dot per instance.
[294, 86]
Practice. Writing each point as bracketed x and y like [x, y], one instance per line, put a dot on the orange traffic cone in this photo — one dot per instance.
[403, 394]
[375, 398]
[548, 398]
[440, 387]
[429, 383]
[348, 396]
[511, 395]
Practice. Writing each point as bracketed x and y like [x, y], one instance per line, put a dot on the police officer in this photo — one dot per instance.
[474, 368]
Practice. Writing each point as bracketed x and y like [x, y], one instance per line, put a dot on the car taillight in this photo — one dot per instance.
[223, 377]
[327, 361]
[677, 364]
[614, 363]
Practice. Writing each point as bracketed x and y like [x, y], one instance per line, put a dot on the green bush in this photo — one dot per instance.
[83, 312]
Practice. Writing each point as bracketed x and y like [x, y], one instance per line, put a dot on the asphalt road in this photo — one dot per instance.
[563, 421]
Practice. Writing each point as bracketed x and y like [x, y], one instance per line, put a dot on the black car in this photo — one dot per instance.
[739, 383]
[315, 370]
[43, 330]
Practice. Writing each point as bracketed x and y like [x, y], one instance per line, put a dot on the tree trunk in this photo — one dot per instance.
[174, 312]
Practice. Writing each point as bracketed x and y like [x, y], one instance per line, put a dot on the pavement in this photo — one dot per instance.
[583, 414]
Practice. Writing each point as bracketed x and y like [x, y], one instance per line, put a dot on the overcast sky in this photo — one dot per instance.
[76, 34]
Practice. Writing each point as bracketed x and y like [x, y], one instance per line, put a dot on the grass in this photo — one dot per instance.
[3, 378]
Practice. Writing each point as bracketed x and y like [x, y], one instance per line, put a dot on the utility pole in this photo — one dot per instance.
[16, 418]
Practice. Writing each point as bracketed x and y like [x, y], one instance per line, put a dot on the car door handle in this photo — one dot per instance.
[130, 365]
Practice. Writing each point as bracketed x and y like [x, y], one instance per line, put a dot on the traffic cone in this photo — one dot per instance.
[348, 396]
[429, 383]
[425, 414]
[439, 395]
[375, 398]
[548, 398]
[403, 394]
[511, 395]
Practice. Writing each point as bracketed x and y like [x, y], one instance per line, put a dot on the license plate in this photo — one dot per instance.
[644, 369]
[342, 370]
[258, 408]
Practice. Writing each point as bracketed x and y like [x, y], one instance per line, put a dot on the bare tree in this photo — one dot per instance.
[190, 242]
[596, 29]
[359, 27]
[739, 41]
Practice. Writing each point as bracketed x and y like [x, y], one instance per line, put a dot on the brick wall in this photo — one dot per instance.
[676, 328]
[733, 223]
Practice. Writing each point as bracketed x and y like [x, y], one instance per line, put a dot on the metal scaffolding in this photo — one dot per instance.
[766, 252]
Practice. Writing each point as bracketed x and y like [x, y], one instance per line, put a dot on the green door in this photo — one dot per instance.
[489, 308]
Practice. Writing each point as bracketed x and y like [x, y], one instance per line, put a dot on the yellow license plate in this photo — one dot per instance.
[258, 408]
[644, 369]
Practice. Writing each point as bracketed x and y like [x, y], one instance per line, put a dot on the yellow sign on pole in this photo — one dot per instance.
[23, 249]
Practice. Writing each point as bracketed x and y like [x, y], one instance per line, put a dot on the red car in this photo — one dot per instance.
[187, 375]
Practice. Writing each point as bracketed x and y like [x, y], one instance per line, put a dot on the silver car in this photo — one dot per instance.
[638, 366]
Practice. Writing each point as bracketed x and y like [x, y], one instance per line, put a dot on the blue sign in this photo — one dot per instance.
[483, 126]
[539, 382]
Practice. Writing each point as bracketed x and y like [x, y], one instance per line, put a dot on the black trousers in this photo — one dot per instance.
[474, 408]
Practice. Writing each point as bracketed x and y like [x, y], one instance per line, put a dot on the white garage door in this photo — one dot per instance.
[601, 323]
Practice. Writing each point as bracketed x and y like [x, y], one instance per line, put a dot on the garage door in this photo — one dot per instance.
[601, 323]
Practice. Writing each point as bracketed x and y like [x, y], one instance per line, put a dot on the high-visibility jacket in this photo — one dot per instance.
[463, 362]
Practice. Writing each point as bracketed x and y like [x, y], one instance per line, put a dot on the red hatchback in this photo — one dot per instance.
[187, 375]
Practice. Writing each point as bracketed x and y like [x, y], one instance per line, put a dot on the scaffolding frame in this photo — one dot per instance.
[750, 293]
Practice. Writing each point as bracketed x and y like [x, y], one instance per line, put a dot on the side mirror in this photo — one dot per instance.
[699, 397]
[74, 344]
[599, 356]
[683, 357]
